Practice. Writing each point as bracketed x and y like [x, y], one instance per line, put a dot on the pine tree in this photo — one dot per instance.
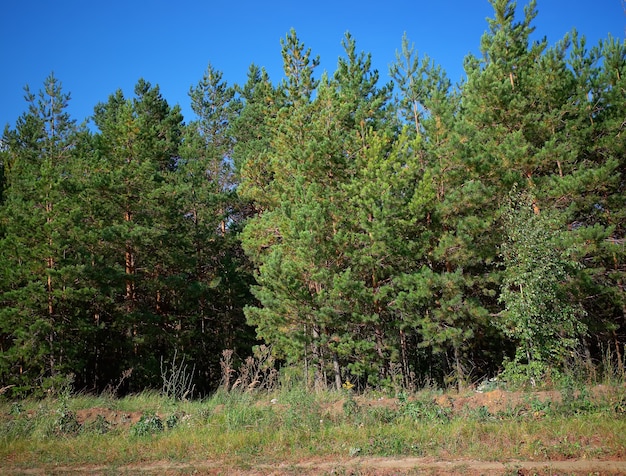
[137, 145]
[524, 121]
[272, 239]
[41, 272]
[213, 297]
[315, 280]
[253, 131]
[437, 298]
[591, 194]
[501, 138]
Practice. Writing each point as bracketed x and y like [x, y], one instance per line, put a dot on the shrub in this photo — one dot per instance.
[148, 424]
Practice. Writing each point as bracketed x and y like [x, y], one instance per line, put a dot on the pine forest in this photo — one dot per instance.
[339, 230]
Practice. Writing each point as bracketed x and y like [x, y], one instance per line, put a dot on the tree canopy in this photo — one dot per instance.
[386, 235]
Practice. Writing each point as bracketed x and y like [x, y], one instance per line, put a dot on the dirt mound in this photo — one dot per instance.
[114, 418]
[498, 400]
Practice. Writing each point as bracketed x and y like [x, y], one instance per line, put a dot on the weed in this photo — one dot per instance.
[391, 445]
[228, 371]
[177, 380]
[381, 415]
[19, 425]
[172, 421]
[482, 414]
[248, 428]
[540, 407]
[243, 416]
[99, 426]
[511, 412]
[16, 409]
[350, 406]
[567, 448]
[258, 371]
[403, 398]
[614, 366]
[620, 406]
[354, 451]
[424, 410]
[113, 390]
[148, 424]
[66, 422]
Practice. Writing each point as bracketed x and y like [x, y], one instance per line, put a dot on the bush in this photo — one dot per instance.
[148, 424]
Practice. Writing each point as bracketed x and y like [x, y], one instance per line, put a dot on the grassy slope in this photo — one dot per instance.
[242, 429]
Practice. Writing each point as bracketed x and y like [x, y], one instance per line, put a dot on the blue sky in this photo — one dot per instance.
[97, 47]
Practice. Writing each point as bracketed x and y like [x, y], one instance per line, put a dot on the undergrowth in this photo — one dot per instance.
[265, 425]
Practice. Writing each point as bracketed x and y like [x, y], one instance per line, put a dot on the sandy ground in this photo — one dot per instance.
[354, 466]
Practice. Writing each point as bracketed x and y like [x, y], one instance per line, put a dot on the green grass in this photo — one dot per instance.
[240, 429]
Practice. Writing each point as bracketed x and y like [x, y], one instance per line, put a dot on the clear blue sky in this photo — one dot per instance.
[97, 47]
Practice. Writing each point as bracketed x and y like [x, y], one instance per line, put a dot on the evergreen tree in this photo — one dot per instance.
[315, 279]
[216, 290]
[441, 304]
[252, 131]
[442, 234]
[137, 145]
[271, 239]
[591, 194]
[40, 272]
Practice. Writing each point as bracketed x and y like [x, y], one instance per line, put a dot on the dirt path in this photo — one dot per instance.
[354, 466]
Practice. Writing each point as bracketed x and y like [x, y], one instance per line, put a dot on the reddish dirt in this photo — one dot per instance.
[495, 401]
[113, 417]
[355, 466]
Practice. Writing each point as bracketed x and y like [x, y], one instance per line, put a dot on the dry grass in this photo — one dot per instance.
[245, 429]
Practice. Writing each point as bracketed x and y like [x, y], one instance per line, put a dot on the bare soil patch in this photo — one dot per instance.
[355, 466]
[113, 417]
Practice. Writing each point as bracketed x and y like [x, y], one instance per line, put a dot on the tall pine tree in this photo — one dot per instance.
[39, 319]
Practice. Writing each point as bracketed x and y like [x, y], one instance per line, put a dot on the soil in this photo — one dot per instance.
[114, 418]
[354, 466]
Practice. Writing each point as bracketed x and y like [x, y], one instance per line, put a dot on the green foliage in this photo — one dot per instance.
[386, 235]
[148, 425]
[99, 426]
[38, 250]
[66, 422]
[538, 312]
[423, 409]
[350, 406]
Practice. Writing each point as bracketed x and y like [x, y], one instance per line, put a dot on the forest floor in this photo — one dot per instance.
[594, 460]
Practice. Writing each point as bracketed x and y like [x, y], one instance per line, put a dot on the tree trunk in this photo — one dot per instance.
[129, 262]
[460, 377]
[337, 371]
[50, 265]
[319, 381]
[306, 357]
[405, 361]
